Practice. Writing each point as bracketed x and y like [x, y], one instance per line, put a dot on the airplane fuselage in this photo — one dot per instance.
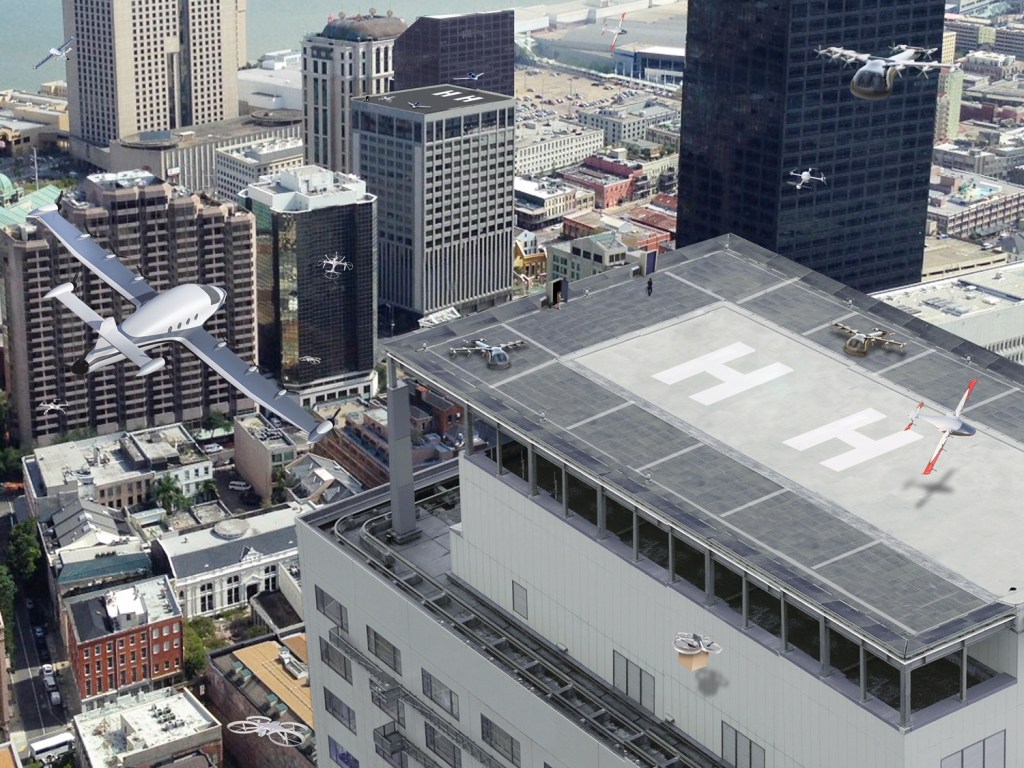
[952, 424]
[159, 320]
[875, 79]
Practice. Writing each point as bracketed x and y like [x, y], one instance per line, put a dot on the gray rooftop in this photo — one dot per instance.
[772, 476]
[435, 99]
[229, 542]
[102, 612]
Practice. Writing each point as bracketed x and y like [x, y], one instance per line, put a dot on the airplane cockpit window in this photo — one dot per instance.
[499, 357]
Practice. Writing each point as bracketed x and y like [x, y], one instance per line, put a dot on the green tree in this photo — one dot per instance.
[208, 489]
[195, 653]
[217, 420]
[24, 552]
[168, 493]
[7, 593]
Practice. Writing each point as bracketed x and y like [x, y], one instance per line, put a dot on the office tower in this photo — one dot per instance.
[440, 49]
[316, 281]
[440, 161]
[151, 67]
[701, 460]
[758, 103]
[169, 238]
[352, 56]
[951, 90]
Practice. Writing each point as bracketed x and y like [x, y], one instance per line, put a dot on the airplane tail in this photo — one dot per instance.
[913, 416]
[107, 328]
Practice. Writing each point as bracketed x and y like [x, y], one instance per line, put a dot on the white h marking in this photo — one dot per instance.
[864, 448]
[714, 363]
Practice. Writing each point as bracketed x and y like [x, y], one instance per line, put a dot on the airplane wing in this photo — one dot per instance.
[900, 344]
[66, 45]
[935, 456]
[844, 327]
[513, 344]
[246, 378]
[844, 54]
[105, 265]
[921, 66]
[48, 57]
[963, 400]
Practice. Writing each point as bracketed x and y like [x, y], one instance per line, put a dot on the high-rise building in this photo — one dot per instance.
[352, 56]
[479, 48]
[169, 238]
[151, 67]
[316, 281]
[698, 458]
[440, 161]
[758, 103]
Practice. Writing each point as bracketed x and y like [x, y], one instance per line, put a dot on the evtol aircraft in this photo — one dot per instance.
[950, 424]
[860, 342]
[176, 314]
[60, 52]
[874, 80]
[495, 354]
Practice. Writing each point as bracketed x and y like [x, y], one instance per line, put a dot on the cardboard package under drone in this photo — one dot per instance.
[693, 661]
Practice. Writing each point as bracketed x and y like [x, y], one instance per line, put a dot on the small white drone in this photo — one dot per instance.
[52, 405]
[309, 359]
[282, 733]
[332, 264]
[690, 644]
[806, 177]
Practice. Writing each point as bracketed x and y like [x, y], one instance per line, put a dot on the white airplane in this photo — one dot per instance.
[52, 405]
[691, 643]
[60, 52]
[875, 78]
[309, 359]
[950, 424]
[176, 314]
[860, 341]
[806, 177]
[417, 105]
[616, 32]
[331, 265]
[495, 354]
[470, 76]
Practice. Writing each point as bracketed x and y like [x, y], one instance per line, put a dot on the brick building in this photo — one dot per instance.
[123, 640]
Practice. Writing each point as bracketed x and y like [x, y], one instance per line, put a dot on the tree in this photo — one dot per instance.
[208, 489]
[168, 493]
[194, 652]
[217, 420]
[24, 552]
[7, 592]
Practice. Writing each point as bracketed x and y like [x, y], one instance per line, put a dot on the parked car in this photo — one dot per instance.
[44, 653]
[55, 699]
[39, 632]
[46, 669]
[239, 485]
[50, 682]
[209, 448]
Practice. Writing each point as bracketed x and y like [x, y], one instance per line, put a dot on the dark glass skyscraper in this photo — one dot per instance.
[316, 281]
[436, 50]
[758, 103]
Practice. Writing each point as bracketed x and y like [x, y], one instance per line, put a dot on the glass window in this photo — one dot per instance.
[335, 659]
[442, 746]
[988, 753]
[500, 740]
[384, 650]
[635, 682]
[341, 711]
[440, 694]
[332, 609]
[739, 751]
[520, 600]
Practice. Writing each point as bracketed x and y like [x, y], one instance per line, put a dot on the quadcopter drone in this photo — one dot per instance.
[495, 354]
[690, 643]
[860, 342]
[282, 733]
[806, 177]
[309, 359]
[950, 425]
[53, 405]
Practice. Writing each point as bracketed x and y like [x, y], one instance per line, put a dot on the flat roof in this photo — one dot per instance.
[724, 404]
[967, 191]
[434, 99]
[9, 756]
[987, 291]
[266, 663]
[96, 614]
[132, 724]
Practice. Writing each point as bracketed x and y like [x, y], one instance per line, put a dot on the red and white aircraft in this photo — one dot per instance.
[615, 32]
[950, 424]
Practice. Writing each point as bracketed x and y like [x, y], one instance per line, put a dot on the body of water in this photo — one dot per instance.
[29, 29]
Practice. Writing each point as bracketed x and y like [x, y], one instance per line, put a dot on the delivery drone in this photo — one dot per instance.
[950, 424]
[332, 264]
[53, 405]
[283, 733]
[860, 341]
[176, 314]
[496, 355]
[60, 52]
[874, 80]
[691, 643]
[806, 177]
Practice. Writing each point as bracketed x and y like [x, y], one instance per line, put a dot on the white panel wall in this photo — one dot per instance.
[591, 600]
[543, 733]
